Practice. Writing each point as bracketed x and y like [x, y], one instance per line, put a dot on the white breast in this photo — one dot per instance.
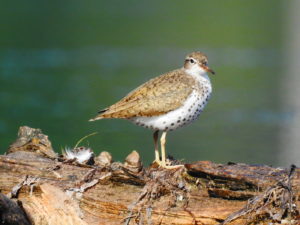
[179, 117]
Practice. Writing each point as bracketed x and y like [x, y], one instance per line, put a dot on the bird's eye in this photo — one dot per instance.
[192, 61]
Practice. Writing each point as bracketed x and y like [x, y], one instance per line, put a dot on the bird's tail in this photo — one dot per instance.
[96, 118]
[99, 116]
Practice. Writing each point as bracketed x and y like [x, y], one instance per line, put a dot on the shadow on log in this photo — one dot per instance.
[79, 188]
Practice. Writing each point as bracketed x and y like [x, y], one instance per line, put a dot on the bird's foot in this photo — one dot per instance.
[157, 163]
[162, 164]
[173, 167]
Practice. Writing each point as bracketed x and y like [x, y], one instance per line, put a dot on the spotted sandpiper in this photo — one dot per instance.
[166, 102]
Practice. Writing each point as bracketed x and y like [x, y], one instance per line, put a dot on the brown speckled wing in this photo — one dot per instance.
[155, 97]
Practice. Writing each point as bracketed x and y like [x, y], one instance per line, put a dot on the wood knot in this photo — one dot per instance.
[103, 159]
[32, 140]
[133, 162]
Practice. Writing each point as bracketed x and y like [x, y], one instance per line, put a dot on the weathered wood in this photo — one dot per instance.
[54, 190]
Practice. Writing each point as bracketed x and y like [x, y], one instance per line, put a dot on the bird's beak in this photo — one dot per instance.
[207, 69]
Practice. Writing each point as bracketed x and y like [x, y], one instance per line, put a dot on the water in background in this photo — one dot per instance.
[62, 62]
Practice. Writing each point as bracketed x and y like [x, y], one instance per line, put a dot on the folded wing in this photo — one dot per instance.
[155, 97]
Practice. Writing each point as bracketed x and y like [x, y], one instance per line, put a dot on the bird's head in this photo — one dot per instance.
[197, 63]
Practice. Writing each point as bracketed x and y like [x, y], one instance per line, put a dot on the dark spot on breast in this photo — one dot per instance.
[172, 124]
[184, 119]
[178, 121]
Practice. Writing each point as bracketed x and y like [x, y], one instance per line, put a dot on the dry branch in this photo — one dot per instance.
[56, 190]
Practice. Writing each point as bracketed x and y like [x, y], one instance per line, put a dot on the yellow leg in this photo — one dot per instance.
[155, 137]
[163, 149]
[163, 153]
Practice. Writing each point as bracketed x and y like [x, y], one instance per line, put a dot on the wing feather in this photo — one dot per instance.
[155, 97]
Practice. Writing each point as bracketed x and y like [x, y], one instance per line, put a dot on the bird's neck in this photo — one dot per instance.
[199, 74]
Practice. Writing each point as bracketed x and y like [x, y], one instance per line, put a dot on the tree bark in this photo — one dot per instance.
[59, 190]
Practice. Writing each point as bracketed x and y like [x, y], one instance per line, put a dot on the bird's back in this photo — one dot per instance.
[158, 96]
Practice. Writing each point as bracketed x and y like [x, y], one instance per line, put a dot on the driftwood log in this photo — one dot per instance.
[39, 187]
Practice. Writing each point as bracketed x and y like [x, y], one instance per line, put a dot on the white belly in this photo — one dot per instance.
[177, 118]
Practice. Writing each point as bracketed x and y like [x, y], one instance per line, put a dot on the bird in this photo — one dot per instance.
[166, 102]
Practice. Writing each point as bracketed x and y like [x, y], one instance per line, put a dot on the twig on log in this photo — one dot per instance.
[279, 195]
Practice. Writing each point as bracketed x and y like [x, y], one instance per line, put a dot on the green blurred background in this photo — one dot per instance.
[62, 61]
